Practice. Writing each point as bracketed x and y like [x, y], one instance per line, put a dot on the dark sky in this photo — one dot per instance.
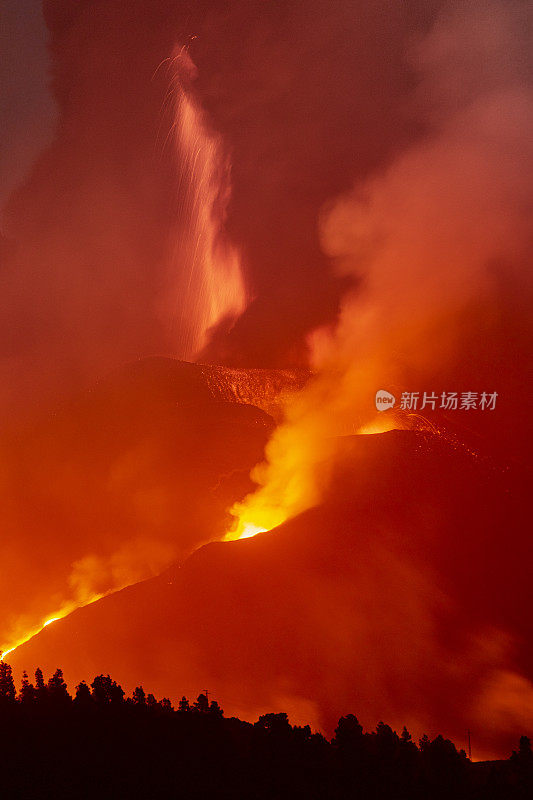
[27, 108]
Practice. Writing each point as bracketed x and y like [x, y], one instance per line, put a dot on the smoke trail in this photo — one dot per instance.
[209, 289]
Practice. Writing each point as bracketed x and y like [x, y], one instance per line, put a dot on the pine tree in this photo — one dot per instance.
[139, 696]
[40, 688]
[106, 690]
[83, 697]
[405, 736]
[27, 690]
[165, 704]
[7, 685]
[201, 704]
[524, 756]
[524, 750]
[349, 732]
[215, 710]
[57, 689]
[183, 705]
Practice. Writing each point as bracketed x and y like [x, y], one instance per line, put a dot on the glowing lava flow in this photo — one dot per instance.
[63, 612]
[381, 424]
[27, 637]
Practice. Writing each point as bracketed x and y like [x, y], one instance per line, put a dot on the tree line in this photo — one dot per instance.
[103, 744]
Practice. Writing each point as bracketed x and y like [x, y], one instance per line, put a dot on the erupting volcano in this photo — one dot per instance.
[265, 358]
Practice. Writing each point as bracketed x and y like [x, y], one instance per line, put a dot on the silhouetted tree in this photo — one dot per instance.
[105, 690]
[443, 768]
[183, 706]
[27, 690]
[385, 735]
[7, 685]
[57, 689]
[83, 697]
[385, 743]
[405, 736]
[277, 724]
[348, 732]
[408, 758]
[165, 704]
[139, 696]
[524, 754]
[201, 704]
[302, 733]
[40, 688]
[522, 764]
[99, 747]
[215, 710]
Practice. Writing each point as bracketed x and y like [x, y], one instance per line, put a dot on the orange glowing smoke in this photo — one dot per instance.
[300, 454]
[91, 578]
[205, 268]
[421, 240]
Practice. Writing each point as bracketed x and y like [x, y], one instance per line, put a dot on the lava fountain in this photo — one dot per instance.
[207, 282]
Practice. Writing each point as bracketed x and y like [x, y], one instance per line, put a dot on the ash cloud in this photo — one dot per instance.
[440, 241]
[298, 92]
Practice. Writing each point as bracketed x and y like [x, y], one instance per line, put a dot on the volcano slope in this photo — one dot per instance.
[401, 596]
[124, 479]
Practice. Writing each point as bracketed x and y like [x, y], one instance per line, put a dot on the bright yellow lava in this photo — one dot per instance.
[27, 638]
[379, 425]
[264, 519]
[251, 530]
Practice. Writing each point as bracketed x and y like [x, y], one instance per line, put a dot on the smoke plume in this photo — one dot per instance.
[438, 243]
